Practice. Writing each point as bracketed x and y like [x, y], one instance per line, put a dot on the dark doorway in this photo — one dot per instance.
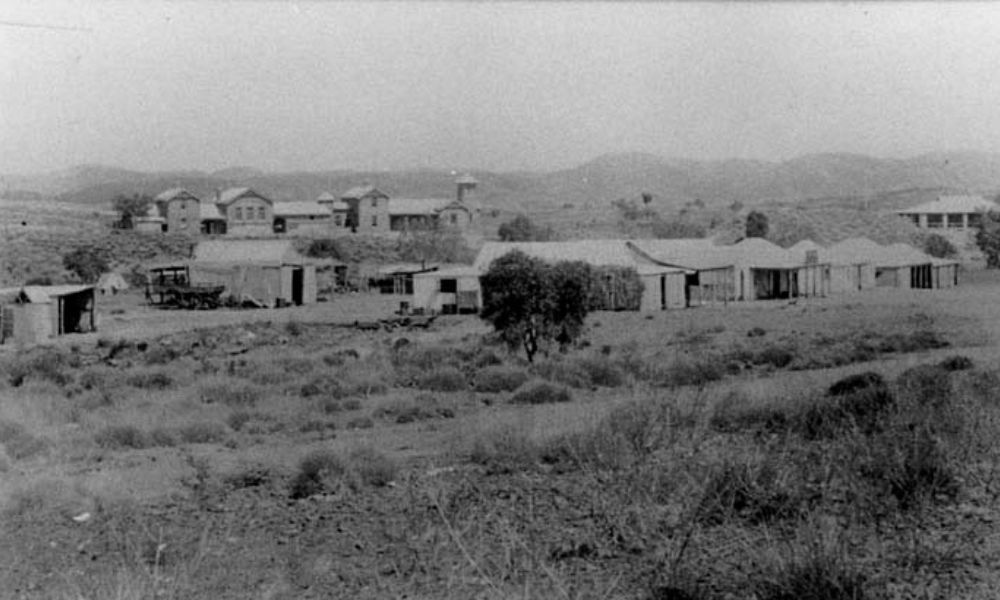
[298, 279]
[279, 225]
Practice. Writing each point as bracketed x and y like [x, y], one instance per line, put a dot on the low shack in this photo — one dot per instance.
[852, 264]
[264, 272]
[448, 291]
[903, 266]
[33, 314]
[398, 278]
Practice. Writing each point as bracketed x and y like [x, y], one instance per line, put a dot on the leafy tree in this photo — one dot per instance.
[938, 246]
[433, 243]
[522, 229]
[756, 224]
[130, 207]
[529, 302]
[988, 238]
[87, 262]
[678, 229]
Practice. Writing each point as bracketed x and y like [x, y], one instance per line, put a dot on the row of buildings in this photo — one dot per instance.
[692, 272]
[244, 212]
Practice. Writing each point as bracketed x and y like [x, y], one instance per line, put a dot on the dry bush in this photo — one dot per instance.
[423, 408]
[39, 364]
[297, 365]
[117, 437]
[360, 423]
[957, 362]
[98, 378]
[817, 572]
[372, 467]
[566, 372]
[202, 432]
[540, 392]
[688, 370]
[499, 378]
[757, 488]
[230, 392]
[504, 449]
[18, 442]
[150, 379]
[444, 379]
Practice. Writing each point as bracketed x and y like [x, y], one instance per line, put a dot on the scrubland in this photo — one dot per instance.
[833, 449]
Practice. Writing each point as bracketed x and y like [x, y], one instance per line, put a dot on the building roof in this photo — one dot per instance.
[593, 252]
[362, 191]
[300, 209]
[44, 294]
[167, 195]
[230, 195]
[952, 204]
[901, 255]
[326, 197]
[758, 252]
[418, 206]
[690, 253]
[405, 268]
[339, 206]
[210, 212]
[852, 251]
[463, 271]
[268, 252]
[804, 246]
[466, 179]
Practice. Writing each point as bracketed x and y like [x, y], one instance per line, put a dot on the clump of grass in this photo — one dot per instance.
[754, 489]
[504, 449]
[818, 573]
[297, 365]
[499, 378]
[696, 370]
[372, 467]
[294, 328]
[735, 412]
[40, 364]
[162, 437]
[317, 426]
[566, 372]
[318, 470]
[911, 466]
[150, 379]
[161, 355]
[928, 385]
[445, 379]
[424, 408]
[360, 423]
[118, 437]
[18, 442]
[95, 378]
[202, 432]
[230, 392]
[540, 392]
[957, 362]
[601, 372]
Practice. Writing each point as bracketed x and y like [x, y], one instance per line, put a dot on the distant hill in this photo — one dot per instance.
[592, 185]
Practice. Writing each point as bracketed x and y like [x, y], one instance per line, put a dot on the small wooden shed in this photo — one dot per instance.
[34, 314]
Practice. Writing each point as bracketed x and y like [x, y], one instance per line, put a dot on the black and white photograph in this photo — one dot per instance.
[532, 300]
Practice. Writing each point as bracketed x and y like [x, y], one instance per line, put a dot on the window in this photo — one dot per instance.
[954, 221]
[374, 220]
[934, 221]
[454, 219]
[915, 219]
[374, 202]
[975, 219]
[337, 220]
[260, 213]
[239, 214]
[449, 286]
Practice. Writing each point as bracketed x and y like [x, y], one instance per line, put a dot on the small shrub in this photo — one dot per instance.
[446, 379]
[736, 413]
[360, 423]
[317, 425]
[602, 372]
[912, 466]
[495, 379]
[161, 355]
[372, 467]
[162, 437]
[40, 364]
[202, 432]
[776, 356]
[928, 385]
[296, 365]
[755, 490]
[117, 437]
[756, 332]
[569, 373]
[818, 575]
[18, 442]
[956, 363]
[854, 383]
[238, 418]
[685, 370]
[320, 470]
[504, 450]
[294, 328]
[152, 379]
[96, 379]
[541, 392]
[230, 393]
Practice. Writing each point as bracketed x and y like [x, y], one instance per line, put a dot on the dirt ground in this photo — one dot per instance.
[215, 520]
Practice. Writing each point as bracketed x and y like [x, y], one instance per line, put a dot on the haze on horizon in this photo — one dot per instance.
[534, 86]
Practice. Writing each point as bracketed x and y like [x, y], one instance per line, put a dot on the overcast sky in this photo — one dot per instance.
[316, 86]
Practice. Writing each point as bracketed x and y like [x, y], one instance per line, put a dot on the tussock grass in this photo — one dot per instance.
[326, 471]
[498, 378]
[540, 392]
[150, 379]
[230, 392]
[443, 379]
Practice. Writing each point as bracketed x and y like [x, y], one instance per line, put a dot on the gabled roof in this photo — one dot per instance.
[300, 209]
[230, 195]
[44, 294]
[691, 253]
[418, 206]
[363, 191]
[172, 193]
[269, 252]
[593, 252]
[952, 204]
[405, 268]
[339, 206]
[758, 252]
[325, 197]
[210, 212]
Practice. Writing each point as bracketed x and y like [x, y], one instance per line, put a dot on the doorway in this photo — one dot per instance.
[298, 280]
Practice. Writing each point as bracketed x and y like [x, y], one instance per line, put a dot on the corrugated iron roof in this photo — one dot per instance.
[247, 251]
[593, 252]
[300, 209]
[167, 195]
[692, 253]
[43, 294]
[209, 211]
[360, 191]
[325, 197]
[230, 195]
[852, 251]
[418, 206]
[952, 204]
